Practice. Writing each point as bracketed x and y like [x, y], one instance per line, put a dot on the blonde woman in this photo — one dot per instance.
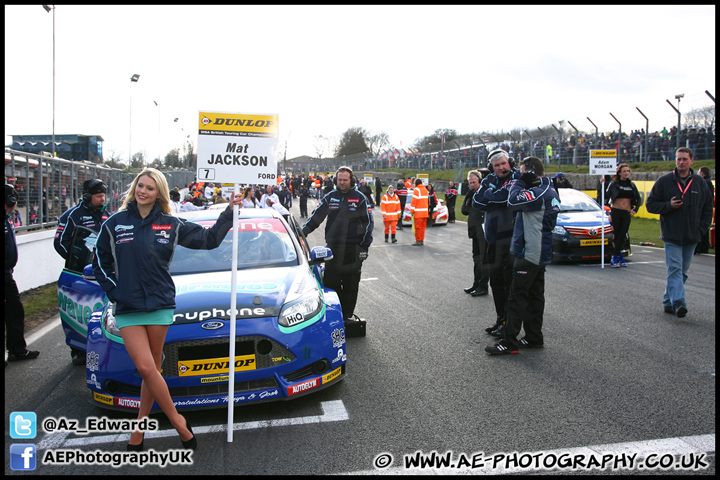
[132, 258]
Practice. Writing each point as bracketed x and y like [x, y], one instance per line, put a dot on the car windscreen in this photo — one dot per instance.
[577, 203]
[262, 242]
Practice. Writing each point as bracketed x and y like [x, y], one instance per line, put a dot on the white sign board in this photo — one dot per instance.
[369, 179]
[603, 162]
[424, 177]
[237, 148]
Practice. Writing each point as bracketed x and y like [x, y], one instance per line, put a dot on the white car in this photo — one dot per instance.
[439, 217]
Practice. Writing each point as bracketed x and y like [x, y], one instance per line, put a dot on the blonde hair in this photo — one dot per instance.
[163, 199]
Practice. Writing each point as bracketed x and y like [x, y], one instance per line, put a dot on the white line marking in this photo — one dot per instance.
[43, 331]
[333, 411]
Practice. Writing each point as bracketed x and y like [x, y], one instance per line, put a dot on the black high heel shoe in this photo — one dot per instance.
[192, 443]
[136, 448]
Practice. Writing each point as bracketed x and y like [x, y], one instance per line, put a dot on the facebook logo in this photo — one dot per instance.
[23, 425]
[23, 456]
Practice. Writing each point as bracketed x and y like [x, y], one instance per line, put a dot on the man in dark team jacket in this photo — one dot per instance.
[14, 310]
[348, 233]
[537, 205]
[685, 205]
[475, 232]
[90, 213]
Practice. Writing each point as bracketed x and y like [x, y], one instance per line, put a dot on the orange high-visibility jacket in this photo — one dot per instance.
[390, 206]
[419, 207]
[408, 184]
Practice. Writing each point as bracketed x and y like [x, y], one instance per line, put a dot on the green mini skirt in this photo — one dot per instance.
[158, 317]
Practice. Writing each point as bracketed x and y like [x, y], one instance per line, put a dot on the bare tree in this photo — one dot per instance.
[703, 117]
[320, 144]
[377, 142]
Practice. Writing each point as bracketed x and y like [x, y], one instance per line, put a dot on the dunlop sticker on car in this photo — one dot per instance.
[331, 376]
[103, 398]
[209, 366]
[595, 241]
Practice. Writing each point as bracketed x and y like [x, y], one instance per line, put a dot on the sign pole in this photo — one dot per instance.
[233, 315]
[602, 238]
[602, 162]
[236, 148]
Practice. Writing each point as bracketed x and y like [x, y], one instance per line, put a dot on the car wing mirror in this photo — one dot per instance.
[88, 272]
[319, 255]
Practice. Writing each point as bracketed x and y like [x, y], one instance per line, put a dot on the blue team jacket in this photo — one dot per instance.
[133, 255]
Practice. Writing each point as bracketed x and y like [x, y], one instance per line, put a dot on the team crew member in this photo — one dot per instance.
[390, 206]
[269, 195]
[419, 210]
[685, 205]
[14, 310]
[348, 233]
[89, 213]
[450, 198]
[133, 254]
[492, 198]
[402, 193]
[538, 205]
[624, 201]
[476, 234]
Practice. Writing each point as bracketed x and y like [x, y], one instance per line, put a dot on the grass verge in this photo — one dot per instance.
[40, 304]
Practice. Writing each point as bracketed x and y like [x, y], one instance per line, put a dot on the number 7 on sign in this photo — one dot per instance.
[206, 173]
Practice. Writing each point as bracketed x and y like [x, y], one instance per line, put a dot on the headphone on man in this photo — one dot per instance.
[89, 186]
[497, 151]
[11, 196]
[345, 169]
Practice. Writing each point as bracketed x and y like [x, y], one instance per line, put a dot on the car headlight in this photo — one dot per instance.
[109, 323]
[558, 230]
[306, 307]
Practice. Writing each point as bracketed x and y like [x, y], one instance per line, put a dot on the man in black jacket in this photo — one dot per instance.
[685, 205]
[704, 244]
[475, 232]
[14, 311]
[89, 213]
[348, 233]
[450, 198]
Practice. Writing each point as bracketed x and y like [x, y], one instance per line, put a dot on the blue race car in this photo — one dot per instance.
[290, 335]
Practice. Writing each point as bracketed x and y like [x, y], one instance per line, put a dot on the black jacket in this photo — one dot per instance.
[80, 214]
[686, 224]
[492, 197]
[616, 186]
[475, 217]
[132, 255]
[349, 219]
[11, 250]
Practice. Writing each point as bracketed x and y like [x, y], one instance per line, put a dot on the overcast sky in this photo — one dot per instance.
[403, 70]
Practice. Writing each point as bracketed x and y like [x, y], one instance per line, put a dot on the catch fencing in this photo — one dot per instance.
[47, 186]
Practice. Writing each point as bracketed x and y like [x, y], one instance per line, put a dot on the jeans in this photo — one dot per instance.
[677, 261]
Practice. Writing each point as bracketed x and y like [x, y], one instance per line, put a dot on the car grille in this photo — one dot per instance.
[263, 348]
[588, 232]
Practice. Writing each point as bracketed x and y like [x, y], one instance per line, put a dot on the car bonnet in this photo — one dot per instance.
[206, 296]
